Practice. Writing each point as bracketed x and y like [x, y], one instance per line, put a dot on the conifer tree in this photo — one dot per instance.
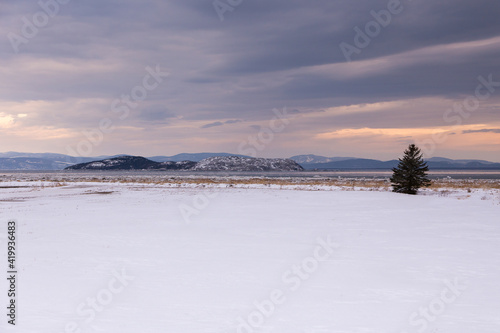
[411, 172]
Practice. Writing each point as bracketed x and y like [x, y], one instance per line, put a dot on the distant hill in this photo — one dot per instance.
[218, 163]
[40, 161]
[131, 163]
[442, 159]
[51, 161]
[436, 163]
[356, 163]
[196, 157]
[237, 163]
[464, 165]
[30, 163]
[13, 154]
[309, 159]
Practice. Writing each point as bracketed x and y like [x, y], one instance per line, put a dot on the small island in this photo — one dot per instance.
[216, 163]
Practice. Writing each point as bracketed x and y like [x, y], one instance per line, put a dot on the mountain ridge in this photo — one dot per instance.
[127, 162]
[237, 163]
[53, 161]
[215, 163]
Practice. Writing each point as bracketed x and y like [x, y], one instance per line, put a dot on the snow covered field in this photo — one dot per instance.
[123, 257]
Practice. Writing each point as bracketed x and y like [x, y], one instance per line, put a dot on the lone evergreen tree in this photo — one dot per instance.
[411, 172]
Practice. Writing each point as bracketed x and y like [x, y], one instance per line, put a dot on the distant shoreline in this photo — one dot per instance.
[304, 180]
[366, 173]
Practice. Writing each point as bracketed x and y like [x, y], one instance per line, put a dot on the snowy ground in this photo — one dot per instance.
[122, 258]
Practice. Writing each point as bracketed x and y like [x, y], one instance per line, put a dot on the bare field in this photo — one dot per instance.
[208, 254]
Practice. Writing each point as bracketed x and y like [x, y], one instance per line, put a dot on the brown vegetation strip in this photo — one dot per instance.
[382, 184]
[6, 187]
[99, 192]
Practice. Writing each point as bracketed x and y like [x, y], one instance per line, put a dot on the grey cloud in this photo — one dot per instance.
[215, 124]
[156, 113]
[260, 58]
[489, 130]
[218, 123]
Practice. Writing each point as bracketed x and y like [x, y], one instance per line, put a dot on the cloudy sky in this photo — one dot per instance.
[347, 78]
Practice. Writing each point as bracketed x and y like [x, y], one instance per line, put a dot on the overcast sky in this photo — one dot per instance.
[76, 77]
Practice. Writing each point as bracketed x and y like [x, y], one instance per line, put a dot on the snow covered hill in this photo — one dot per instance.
[236, 163]
[219, 163]
[131, 163]
[312, 159]
[195, 157]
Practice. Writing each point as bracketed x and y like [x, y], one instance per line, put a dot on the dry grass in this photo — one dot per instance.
[8, 187]
[13, 200]
[466, 184]
[100, 192]
[230, 181]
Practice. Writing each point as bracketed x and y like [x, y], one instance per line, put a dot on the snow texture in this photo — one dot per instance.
[192, 259]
